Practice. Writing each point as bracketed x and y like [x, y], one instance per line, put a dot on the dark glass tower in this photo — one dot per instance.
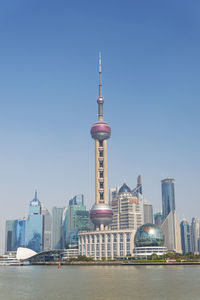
[168, 196]
[186, 237]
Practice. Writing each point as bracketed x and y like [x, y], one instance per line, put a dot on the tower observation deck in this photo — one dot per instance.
[101, 213]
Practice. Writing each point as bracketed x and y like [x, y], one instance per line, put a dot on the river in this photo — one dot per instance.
[99, 282]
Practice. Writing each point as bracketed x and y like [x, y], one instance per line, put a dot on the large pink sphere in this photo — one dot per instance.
[101, 214]
[100, 131]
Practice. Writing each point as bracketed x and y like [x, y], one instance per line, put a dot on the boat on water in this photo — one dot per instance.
[10, 261]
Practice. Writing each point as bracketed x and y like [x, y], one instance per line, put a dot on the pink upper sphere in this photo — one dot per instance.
[100, 130]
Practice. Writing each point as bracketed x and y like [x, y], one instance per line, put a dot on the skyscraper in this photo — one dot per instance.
[10, 238]
[139, 184]
[101, 213]
[147, 211]
[57, 214]
[113, 194]
[168, 196]
[186, 237]
[126, 208]
[75, 218]
[195, 235]
[47, 228]
[158, 218]
[34, 226]
[170, 224]
[78, 216]
[171, 230]
[20, 232]
[146, 206]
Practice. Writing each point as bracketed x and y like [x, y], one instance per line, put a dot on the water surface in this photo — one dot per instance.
[99, 282]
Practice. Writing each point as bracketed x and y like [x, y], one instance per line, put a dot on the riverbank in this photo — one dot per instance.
[117, 263]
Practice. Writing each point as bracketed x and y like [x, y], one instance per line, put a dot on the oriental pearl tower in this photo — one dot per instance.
[101, 213]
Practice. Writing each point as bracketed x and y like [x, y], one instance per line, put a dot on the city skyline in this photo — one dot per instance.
[47, 85]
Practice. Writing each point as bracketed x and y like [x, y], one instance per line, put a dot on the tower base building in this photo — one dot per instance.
[107, 244]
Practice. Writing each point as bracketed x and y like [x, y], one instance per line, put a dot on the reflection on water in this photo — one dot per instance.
[99, 282]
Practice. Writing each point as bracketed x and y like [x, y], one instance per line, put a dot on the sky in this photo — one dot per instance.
[49, 87]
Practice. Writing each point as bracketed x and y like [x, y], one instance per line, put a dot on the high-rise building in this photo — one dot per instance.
[146, 206]
[34, 226]
[101, 213]
[47, 228]
[170, 224]
[168, 196]
[75, 218]
[113, 194]
[158, 218]
[10, 238]
[57, 214]
[78, 217]
[171, 230]
[195, 235]
[15, 234]
[185, 237]
[20, 233]
[147, 211]
[126, 210]
[139, 184]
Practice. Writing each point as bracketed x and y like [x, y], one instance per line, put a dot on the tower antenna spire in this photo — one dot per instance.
[100, 77]
[100, 99]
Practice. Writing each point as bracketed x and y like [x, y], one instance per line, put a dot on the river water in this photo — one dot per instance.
[99, 282]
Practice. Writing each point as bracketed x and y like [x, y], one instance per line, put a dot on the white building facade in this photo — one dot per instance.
[107, 244]
[127, 213]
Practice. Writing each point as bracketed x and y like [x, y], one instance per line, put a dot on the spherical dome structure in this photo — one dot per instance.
[149, 235]
[101, 214]
[100, 100]
[100, 131]
[124, 189]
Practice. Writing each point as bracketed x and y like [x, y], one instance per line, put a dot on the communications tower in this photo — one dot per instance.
[101, 213]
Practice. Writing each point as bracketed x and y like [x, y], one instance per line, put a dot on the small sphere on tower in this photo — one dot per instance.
[100, 100]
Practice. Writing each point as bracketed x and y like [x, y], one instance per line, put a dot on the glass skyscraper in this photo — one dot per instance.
[57, 213]
[77, 215]
[158, 217]
[34, 226]
[15, 234]
[195, 235]
[75, 218]
[186, 237]
[20, 233]
[47, 228]
[168, 196]
[10, 242]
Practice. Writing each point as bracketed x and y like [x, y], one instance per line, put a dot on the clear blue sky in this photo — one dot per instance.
[48, 91]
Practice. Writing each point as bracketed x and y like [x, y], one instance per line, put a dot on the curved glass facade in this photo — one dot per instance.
[168, 196]
[149, 235]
